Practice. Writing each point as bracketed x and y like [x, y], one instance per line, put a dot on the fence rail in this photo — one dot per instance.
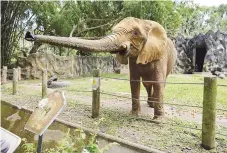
[179, 83]
[112, 94]
[10, 73]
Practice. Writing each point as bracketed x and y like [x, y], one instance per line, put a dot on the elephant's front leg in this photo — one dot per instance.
[158, 98]
[135, 85]
[135, 94]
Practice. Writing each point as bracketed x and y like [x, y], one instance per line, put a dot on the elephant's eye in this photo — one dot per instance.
[135, 33]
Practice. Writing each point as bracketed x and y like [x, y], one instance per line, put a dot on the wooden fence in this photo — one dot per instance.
[209, 100]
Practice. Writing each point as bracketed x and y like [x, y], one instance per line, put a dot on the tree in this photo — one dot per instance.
[191, 16]
[217, 18]
[200, 19]
[96, 18]
[12, 14]
[162, 12]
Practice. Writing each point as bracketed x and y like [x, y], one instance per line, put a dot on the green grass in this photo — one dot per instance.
[186, 94]
[172, 136]
[192, 94]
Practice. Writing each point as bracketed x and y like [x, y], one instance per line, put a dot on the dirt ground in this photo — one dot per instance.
[180, 133]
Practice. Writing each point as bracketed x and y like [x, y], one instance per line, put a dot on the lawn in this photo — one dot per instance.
[176, 135]
[184, 94]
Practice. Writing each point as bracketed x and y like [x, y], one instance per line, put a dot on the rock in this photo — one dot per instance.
[58, 84]
[222, 76]
[202, 53]
[65, 66]
[51, 79]
[188, 148]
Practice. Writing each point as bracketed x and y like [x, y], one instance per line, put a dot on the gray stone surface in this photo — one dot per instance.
[58, 84]
[65, 67]
[214, 46]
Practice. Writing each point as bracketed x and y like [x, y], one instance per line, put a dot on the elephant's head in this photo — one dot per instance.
[131, 37]
[143, 39]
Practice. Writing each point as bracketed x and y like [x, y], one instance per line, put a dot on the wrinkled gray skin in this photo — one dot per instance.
[141, 43]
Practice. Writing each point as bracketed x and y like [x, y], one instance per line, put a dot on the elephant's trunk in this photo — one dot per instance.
[106, 44]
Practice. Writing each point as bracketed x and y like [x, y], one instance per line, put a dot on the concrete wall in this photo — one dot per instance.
[64, 67]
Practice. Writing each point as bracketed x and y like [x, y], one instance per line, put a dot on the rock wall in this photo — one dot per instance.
[61, 66]
[202, 53]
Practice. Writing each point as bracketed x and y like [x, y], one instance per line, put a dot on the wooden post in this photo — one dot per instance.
[4, 74]
[44, 83]
[72, 66]
[15, 81]
[96, 93]
[19, 73]
[209, 112]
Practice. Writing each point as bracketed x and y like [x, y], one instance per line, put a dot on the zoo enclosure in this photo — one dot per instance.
[209, 100]
[209, 107]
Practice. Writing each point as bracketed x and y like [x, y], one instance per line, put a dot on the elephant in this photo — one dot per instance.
[143, 44]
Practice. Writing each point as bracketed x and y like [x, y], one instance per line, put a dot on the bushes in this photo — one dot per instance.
[74, 142]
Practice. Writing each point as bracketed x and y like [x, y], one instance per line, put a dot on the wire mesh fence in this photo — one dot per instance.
[141, 99]
[161, 82]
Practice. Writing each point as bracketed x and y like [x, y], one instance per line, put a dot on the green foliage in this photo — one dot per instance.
[76, 142]
[96, 18]
[197, 19]
[160, 11]
[28, 147]
[217, 18]
[191, 16]
[12, 16]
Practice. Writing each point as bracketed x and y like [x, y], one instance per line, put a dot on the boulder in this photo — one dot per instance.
[202, 53]
[222, 76]
[59, 84]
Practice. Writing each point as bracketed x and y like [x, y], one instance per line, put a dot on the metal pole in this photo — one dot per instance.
[40, 140]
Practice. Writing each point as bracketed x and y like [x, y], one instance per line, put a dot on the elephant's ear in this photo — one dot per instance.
[155, 46]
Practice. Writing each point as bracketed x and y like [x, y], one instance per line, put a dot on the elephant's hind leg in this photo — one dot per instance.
[149, 95]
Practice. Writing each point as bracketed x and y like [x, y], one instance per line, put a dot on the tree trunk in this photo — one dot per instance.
[11, 13]
[35, 47]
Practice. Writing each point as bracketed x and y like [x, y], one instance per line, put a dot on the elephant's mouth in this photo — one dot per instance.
[125, 49]
[121, 52]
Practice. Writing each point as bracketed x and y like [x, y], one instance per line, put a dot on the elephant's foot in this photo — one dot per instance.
[136, 108]
[135, 112]
[150, 104]
[156, 117]
[158, 111]
[159, 119]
